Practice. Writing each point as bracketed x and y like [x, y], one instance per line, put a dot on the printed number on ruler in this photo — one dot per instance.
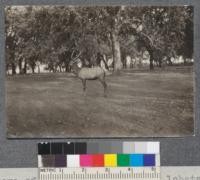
[121, 173]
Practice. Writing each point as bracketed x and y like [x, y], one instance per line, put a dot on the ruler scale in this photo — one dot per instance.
[99, 173]
[166, 173]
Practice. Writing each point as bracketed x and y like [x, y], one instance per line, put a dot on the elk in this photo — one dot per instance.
[88, 73]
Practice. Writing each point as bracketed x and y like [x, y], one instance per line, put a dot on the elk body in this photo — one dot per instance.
[93, 73]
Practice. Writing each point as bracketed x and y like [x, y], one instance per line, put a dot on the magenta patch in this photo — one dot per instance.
[86, 160]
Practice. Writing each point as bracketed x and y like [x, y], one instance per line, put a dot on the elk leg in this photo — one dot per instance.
[105, 88]
[84, 84]
[103, 82]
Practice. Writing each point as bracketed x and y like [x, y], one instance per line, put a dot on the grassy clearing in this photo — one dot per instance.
[139, 103]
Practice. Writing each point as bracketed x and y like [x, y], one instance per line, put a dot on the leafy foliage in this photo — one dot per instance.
[51, 35]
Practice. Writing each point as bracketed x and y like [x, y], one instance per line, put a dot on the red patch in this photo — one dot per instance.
[98, 160]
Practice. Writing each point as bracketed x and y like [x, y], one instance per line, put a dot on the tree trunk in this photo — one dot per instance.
[116, 51]
[13, 68]
[7, 68]
[159, 63]
[140, 62]
[66, 67]
[20, 66]
[38, 68]
[131, 63]
[123, 58]
[184, 61]
[169, 61]
[33, 69]
[60, 68]
[151, 61]
[25, 67]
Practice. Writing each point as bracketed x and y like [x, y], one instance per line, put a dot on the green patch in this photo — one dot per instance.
[123, 159]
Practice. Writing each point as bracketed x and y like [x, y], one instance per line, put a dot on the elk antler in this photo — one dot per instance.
[75, 58]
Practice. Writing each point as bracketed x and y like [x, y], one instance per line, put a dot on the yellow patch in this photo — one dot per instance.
[110, 160]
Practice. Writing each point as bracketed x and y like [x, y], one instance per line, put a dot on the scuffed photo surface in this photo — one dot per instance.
[119, 71]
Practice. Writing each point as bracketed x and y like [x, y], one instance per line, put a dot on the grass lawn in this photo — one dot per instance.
[139, 103]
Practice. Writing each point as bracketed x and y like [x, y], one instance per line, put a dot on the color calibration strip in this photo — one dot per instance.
[104, 154]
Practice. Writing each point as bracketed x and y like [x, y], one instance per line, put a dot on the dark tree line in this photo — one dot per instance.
[53, 35]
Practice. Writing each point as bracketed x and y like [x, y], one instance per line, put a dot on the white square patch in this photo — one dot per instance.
[73, 160]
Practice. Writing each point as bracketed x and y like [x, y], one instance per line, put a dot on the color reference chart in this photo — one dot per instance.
[99, 160]
[98, 154]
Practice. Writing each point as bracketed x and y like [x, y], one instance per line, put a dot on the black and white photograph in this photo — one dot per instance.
[99, 71]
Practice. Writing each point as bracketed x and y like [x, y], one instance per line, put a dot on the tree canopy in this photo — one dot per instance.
[51, 35]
